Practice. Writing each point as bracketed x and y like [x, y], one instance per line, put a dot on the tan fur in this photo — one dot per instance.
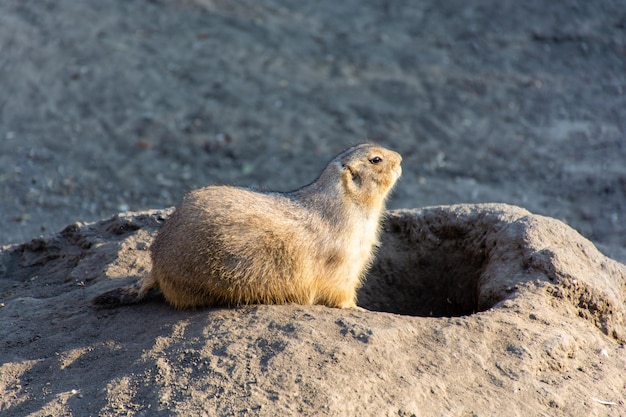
[227, 245]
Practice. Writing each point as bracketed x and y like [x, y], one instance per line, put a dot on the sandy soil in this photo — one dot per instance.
[469, 310]
[113, 106]
[125, 105]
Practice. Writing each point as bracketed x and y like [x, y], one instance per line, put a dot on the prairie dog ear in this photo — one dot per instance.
[351, 177]
[352, 171]
[346, 175]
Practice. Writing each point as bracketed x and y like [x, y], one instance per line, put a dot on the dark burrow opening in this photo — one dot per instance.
[433, 265]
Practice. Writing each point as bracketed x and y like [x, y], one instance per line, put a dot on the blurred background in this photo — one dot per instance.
[109, 106]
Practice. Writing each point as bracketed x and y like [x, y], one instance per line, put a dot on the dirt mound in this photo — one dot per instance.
[459, 260]
[496, 309]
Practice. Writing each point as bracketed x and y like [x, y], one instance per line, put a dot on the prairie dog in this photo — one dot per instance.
[225, 245]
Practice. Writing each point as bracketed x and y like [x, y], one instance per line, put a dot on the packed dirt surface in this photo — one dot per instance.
[469, 310]
[112, 106]
[118, 106]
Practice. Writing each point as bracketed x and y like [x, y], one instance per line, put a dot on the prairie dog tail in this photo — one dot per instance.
[125, 295]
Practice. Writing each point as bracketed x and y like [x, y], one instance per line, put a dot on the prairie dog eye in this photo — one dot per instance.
[376, 160]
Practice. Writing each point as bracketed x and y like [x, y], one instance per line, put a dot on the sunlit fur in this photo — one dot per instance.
[229, 246]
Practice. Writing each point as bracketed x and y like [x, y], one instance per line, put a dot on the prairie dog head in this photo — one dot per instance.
[368, 173]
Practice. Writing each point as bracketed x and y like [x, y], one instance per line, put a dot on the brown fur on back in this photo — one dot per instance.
[228, 245]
